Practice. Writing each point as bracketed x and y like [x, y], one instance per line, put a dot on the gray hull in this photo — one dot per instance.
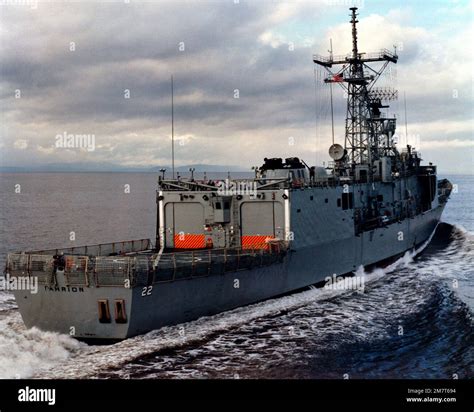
[73, 310]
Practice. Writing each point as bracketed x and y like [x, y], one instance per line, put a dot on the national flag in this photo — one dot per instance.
[337, 78]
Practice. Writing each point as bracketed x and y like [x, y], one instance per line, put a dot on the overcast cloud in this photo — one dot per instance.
[261, 48]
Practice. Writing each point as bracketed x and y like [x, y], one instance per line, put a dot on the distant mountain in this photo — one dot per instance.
[66, 167]
[111, 167]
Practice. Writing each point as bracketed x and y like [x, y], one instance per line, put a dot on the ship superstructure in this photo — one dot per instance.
[221, 244]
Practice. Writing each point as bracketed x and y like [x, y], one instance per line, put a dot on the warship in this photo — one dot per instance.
[224, 244]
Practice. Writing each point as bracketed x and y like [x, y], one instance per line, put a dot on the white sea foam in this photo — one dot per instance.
[25, 352]
[7, 301]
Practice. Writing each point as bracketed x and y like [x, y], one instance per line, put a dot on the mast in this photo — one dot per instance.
[354, 21]
[356, 141]
[367, 132]
[172, 125]
[406, 121]
[332, 108]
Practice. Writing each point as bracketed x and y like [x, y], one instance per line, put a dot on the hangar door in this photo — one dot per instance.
[184, 224]
[259, 221]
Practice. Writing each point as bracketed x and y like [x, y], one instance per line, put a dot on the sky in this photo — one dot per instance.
[245, 85]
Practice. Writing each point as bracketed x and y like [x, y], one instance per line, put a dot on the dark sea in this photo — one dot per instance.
[413, 320]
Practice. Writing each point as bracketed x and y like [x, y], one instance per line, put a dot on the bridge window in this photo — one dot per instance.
[218, 206]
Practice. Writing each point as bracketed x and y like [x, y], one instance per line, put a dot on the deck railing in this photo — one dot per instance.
[101, 249]
[142, 269]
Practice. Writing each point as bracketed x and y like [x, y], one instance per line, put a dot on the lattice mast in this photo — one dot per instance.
[368, 134]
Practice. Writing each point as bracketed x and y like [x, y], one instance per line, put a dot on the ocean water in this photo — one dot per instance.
[413, 320]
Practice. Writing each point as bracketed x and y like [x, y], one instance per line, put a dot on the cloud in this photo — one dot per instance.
[212, 49]
[442, 145]
[20, 144]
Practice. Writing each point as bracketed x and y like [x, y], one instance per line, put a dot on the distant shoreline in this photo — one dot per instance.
[121, 171]
[181, 170]
[168, 171]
